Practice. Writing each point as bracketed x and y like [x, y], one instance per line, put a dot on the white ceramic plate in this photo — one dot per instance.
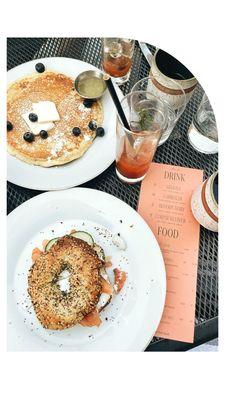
[98, 157]
[130, 321]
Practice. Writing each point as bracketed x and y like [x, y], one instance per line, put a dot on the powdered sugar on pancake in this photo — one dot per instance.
[84, 109]
[58, 141]
[87, 138]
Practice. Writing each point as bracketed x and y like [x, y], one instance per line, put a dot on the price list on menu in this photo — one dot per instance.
[165, 204]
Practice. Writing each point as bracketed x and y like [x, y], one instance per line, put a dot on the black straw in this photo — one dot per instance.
[116, 102]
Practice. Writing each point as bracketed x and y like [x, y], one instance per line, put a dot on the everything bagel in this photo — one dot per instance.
[57, 309]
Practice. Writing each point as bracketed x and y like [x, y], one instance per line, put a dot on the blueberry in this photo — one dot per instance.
[76, 131]
[43, 134]
[100, 131]
[29, 137]
[9, 126]
[33, 117]
[92, 125]
[88, 103]
[40, 67]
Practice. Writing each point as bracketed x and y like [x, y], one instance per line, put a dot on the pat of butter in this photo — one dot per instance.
[36, 127]
[46, 111]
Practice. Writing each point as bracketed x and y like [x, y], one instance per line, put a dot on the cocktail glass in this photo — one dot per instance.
[117, 58]
[148, 117]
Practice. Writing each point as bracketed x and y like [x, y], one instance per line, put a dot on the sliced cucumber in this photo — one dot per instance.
[100, 252]
[86, 237]
[50, 244]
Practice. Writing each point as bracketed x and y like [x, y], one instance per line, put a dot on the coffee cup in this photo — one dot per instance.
[169, 72]
[204, 203]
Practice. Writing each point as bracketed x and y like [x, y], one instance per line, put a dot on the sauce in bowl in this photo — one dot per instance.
[91, 87]
[90, 84]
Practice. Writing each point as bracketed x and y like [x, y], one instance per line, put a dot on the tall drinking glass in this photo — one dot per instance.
[117, 56]
[202, 133]
[173, 95]
[135, 149]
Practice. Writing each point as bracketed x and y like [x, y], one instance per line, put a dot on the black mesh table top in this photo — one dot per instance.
[176, 151]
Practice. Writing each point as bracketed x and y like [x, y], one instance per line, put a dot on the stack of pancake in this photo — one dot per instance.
[61, 146]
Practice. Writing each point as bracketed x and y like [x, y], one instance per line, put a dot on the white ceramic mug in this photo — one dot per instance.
[204, 203]
[169, 69]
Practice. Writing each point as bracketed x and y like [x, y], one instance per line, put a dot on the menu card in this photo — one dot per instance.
[165, 204]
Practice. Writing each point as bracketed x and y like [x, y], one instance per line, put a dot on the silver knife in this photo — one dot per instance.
[147, 53]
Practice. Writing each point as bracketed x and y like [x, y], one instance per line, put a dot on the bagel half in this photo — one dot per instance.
[54, 308]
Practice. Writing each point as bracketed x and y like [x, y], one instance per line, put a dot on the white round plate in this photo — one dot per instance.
[131, 319]
[97, 158]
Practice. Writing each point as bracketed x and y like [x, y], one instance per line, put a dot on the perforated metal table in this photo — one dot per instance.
[176, 151]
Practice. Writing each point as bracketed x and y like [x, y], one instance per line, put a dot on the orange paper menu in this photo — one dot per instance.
[165, 204]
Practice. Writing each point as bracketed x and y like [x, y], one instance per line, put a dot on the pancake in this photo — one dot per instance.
[61, 146]
[54, 308]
